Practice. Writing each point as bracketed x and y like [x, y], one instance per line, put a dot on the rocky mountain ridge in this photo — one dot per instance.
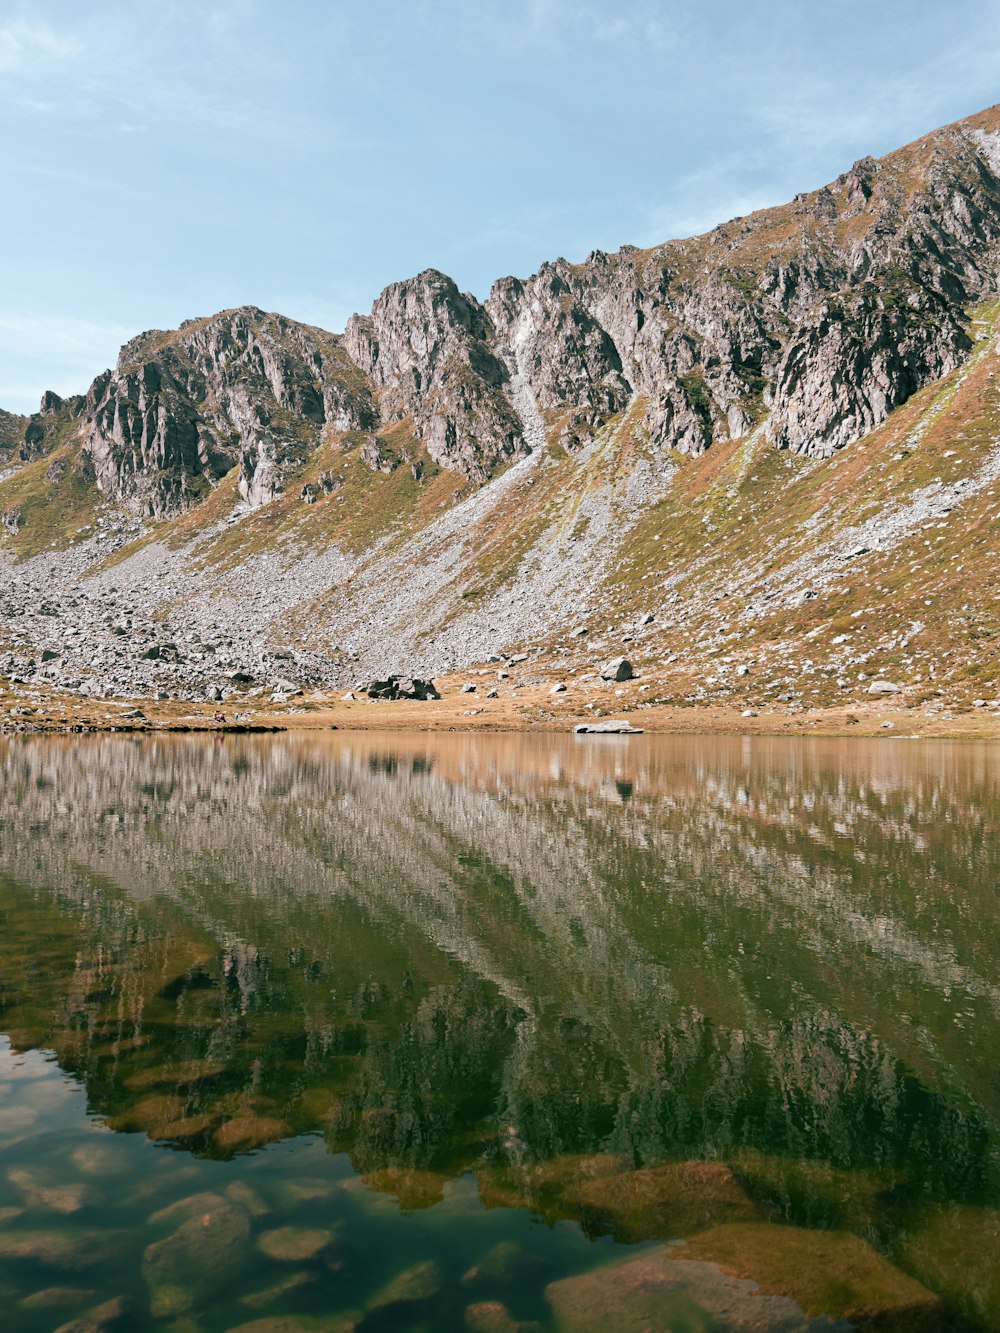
[658, 431]
[821, 316]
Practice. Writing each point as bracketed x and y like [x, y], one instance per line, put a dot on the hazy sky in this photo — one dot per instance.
[166, 160]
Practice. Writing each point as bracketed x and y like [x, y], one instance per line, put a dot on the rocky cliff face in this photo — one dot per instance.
[817, 318]
[244, 387]
[822, 316]
[431, 351]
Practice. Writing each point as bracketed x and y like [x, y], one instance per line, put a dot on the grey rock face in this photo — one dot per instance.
[831, 311]
[242, 387]
[431, 352]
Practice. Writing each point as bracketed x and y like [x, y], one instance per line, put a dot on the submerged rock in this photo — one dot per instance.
[655, 1294]
[260, 1300]
[65, 1199]
[200, 1258]
[109, 1315]
[506, 1265]
[666, 1202]
[420, 1283]
[74, 1251]
[413, 1189]
[56, 1298]
[285, 1323]
[825, 1272]
[492, 1317]
[247, 1197]
[295, 1244]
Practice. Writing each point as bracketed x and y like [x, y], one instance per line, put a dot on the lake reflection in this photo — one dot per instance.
[640, 989]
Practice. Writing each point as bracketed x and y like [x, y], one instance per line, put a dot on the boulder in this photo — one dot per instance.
[883, 687]
[619, 668]
[401, 687]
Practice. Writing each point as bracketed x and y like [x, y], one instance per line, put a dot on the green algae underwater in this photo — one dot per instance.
[334, 1032]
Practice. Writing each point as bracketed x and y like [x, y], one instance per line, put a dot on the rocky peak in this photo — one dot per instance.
[430, 350]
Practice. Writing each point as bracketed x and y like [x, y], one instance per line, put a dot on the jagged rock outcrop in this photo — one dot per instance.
[431, 352]
[830, 311]
[245, 387]
[23, 439]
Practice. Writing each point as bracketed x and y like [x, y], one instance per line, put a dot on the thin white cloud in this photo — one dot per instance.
[24, 46]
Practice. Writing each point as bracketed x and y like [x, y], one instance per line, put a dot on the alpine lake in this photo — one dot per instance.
[498, 1032]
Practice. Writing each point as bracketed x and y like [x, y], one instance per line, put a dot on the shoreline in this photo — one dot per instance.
[529, 711]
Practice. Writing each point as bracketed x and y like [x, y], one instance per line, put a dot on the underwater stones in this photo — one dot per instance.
[665, 1202]
[420, 1283]
[411, 1188]
[201, 1256]
[56, 1298]
[654, 1292]
[64, 1199]
[825, 1272]
[507, 1264]
[15, 1120]
[292, 1193]
[8, 1215]
[188, 1127]
[70, 1251]
[247, 1197]
[957, 1248]
[109, 1315]
[493, 1317]
[283, 1323]
[294, 1244]
[192, 1206]
[100, 1159]
[277, 1291]
[246, 1132]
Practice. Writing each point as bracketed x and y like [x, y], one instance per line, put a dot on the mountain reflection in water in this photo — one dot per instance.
[503, 955]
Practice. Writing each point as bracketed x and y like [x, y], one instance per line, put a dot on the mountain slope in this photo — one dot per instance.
[677, 419]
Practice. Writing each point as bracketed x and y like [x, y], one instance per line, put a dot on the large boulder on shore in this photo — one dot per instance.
[401, 687]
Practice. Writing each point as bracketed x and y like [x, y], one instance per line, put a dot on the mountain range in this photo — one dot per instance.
[762, 462]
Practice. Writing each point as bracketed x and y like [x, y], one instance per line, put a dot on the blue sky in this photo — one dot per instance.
[167, 160]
